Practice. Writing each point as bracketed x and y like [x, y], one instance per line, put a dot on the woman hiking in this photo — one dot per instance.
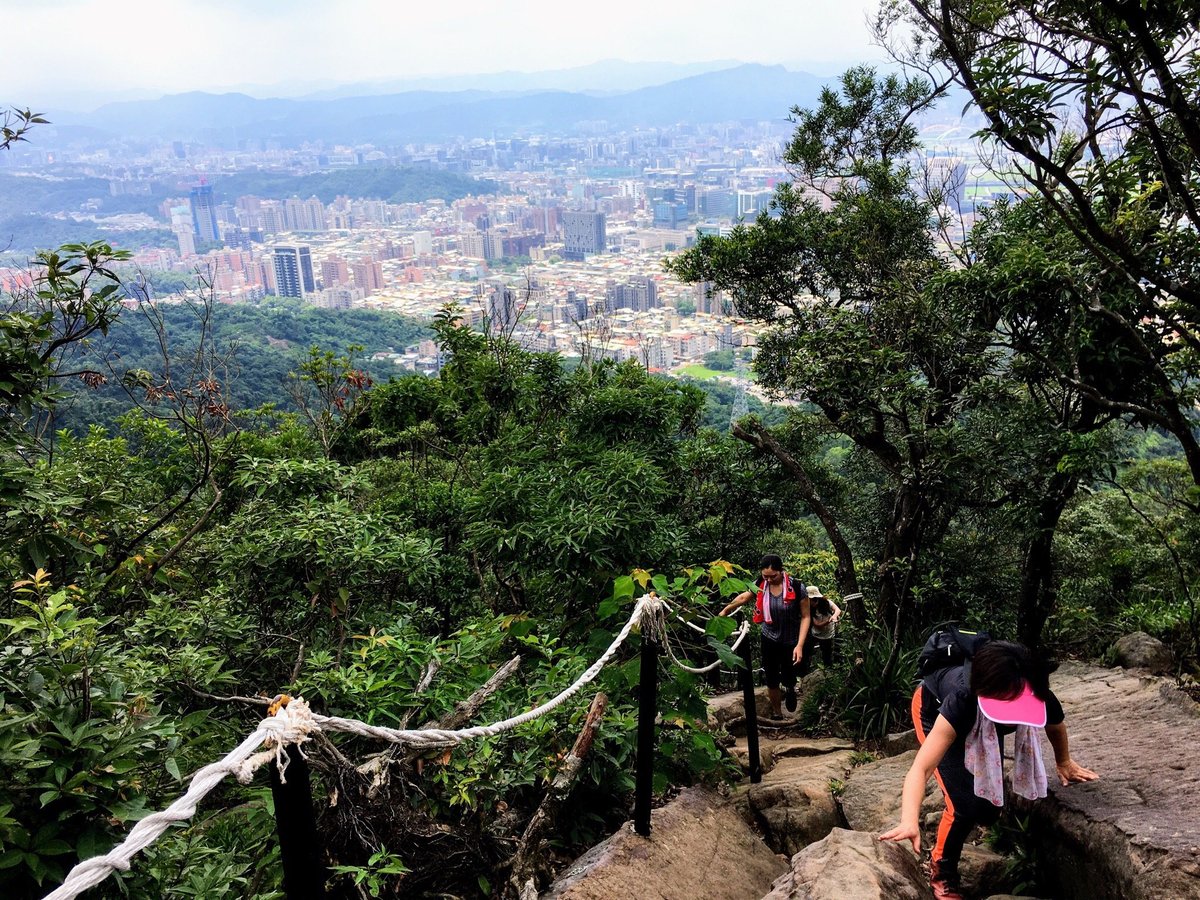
[961, 714]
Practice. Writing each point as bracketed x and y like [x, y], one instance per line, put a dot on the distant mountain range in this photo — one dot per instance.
[608, 76]
[748, 91]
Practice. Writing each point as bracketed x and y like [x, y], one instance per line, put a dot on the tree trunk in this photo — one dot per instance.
[1038, 593]
[897, 563]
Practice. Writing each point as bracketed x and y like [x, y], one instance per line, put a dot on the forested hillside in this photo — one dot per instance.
[254, 346]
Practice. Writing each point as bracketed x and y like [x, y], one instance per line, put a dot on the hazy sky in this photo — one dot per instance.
[54, 47]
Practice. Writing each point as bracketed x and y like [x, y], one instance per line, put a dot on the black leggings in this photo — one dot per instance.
[778, 667]
[963, 809]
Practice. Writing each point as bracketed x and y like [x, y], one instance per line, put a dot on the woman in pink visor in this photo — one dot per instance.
[961, 715]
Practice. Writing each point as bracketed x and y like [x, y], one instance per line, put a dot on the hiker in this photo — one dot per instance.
[825, 616]
[961, 714]
[782, 606]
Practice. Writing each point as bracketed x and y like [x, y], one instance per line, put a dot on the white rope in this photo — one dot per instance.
[292, 724]
[279, 730]
[742, 632]
[741, 636]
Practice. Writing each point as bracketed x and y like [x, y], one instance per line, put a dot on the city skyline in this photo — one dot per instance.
[276, 49]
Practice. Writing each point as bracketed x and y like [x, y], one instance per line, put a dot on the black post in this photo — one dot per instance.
[747, 676]
[647, 712]
[303, 872]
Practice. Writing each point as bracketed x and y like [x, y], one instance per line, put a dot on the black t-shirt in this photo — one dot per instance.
[959, 706]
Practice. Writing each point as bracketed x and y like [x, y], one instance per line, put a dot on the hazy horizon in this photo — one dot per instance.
[147, 49]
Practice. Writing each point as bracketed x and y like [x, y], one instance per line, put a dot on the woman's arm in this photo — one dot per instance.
[837, 611]
[805, 623]
[938, 741]
[1069, 771]
[740, 600]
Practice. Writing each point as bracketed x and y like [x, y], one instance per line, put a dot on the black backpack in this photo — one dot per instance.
[949, 645]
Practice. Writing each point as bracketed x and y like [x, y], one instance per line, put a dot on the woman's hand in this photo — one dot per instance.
[798, 654]
[1071, 772]
[905, 832]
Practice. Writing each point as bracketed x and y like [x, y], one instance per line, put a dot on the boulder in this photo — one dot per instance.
[771, 749]
[794, 806]
[698, 847]
[900, 742]
[982, 870]
[1135, 833]
[740, 752]
[852, 865]
[804, 746]
[871, 801]
[729, 712]
[1141, 651]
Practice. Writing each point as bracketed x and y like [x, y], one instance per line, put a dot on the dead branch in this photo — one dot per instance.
[527, 863]
[299, 664]
[758, 436]
[253, 701]
[376, 768]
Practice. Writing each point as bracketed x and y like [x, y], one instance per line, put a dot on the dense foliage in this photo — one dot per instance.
[257, 345]
[382, 550]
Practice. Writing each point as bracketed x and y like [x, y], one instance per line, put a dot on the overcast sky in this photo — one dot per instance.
[59, 47]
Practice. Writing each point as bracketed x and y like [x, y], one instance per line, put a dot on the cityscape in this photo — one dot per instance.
[559, 244]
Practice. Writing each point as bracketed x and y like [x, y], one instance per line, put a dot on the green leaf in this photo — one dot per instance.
[720, 627]
[623, 588]
[727, 656]
[173, 768]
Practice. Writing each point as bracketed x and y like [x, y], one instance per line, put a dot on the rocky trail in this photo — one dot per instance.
[808, 830]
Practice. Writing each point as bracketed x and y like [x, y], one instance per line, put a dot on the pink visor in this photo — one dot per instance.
[1023, 709]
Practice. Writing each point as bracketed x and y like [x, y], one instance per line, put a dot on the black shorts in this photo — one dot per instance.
[778, 667]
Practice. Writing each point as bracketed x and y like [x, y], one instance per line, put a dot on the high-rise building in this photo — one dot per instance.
[583, 233]
[639, 294]
[422, 242]
[293, 271]
[294, 215]
[314, 215]
[471, 242]
[368, 276]
[503, 309]
[334, 272]
[270, 214]
[204, 213]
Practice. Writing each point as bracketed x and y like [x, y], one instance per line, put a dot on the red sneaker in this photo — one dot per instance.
[945, 887]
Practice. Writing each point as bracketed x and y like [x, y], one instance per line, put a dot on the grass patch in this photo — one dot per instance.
[702, 373]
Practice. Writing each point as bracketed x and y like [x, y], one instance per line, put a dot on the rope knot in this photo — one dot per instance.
[651, 616]
[290, 723]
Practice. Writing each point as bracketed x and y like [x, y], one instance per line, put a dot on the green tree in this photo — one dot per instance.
[1095, 107]
[857, 330]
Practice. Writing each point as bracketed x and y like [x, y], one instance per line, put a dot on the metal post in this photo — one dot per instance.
[303, 872]
[647, 712]
[751, 705]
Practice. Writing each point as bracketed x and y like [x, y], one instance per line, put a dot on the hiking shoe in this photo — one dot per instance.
[944, 890]
[789, 699]
[945, 887]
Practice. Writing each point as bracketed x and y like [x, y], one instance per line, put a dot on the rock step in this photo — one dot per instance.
[698, 848]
